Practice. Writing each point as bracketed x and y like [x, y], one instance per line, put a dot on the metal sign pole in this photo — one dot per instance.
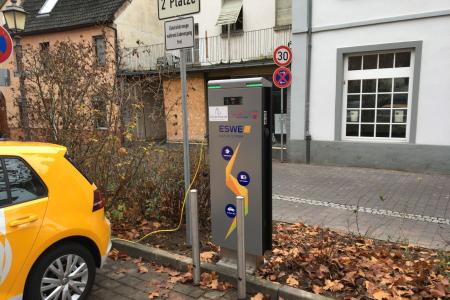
[241, 265]
[282, 125]
[195, 238]
[187, 171]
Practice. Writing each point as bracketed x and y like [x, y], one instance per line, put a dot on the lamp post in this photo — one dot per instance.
[15, 17]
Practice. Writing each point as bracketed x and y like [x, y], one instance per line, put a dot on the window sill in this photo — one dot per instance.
[233, 33]
[376, 141]
[282, 27]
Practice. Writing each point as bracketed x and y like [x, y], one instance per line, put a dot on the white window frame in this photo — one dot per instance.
[48, 6]
[378, 74]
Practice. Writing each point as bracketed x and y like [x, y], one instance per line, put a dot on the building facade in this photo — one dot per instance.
[371, 84]
[110, 25]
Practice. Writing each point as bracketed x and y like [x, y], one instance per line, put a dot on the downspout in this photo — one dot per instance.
[308, 137]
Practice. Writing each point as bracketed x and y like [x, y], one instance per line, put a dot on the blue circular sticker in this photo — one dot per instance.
[230, 211]
[243, 178]
[227, 152]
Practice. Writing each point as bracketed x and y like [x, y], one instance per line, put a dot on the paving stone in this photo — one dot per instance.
[189, 290]
[130, 280]
[109, 284]
[214, 295]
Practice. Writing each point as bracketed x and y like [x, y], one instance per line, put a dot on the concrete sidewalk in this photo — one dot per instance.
[384, 204]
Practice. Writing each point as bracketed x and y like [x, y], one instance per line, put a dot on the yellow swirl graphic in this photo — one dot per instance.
[235, 187]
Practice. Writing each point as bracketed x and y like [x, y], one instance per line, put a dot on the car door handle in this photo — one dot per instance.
[23, 221]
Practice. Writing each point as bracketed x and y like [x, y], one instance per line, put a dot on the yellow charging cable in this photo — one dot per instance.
[182, 208]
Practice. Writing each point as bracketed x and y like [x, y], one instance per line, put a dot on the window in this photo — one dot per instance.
[21, 181]
[44, 47]
[235, 27]
[283, 13]
[100, 113]
[48, 7]
[4, 198]
[377, 95]
[100, 49]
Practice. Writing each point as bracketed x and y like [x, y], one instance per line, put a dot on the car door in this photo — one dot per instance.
[23, 201]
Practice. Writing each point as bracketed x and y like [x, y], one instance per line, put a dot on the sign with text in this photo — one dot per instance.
[282, 56]
[176, 8]
[179, 34]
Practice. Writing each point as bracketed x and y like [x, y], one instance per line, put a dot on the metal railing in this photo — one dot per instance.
[244, 46]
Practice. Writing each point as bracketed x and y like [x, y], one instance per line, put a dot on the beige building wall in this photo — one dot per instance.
[196, 107]
[11, 92]
[138, 21]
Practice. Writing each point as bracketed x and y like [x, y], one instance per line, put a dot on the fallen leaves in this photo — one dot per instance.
[352, 267]
[211, 281]
[334, 286]
[207, 256]
[292, 281]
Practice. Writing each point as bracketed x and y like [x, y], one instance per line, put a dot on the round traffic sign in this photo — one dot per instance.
[5, 45]
[282, 56]
[282, 77]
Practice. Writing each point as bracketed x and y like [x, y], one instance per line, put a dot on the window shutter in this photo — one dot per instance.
[284, 12]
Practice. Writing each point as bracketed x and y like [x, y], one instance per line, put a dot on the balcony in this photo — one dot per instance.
[247, 46]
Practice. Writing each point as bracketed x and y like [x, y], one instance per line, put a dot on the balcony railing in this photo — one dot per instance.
[246, 46]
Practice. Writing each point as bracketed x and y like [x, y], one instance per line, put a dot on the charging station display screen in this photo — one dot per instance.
[233, 101]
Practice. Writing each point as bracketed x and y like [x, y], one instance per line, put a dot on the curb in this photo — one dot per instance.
[180, 263]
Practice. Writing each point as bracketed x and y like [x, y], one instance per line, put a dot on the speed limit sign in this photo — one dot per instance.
[282, 56]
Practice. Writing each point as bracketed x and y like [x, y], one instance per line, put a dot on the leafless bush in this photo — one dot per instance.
[75, 101]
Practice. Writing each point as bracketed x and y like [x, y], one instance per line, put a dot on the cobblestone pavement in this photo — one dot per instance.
[113, 285]
[390, 205]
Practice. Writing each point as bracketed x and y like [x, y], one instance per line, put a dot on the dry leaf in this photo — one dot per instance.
[207, 256]
[292, 281]
[153, 295]
[317, 289]
[334, 286]
[381, 295]
[259, 296]
[142, 269]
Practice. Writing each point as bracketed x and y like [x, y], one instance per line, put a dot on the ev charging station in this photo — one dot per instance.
[241, 162]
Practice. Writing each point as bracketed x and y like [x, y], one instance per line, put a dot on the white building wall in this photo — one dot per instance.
[138, 21]
[257, 15]
[334, 12]
[433, 125]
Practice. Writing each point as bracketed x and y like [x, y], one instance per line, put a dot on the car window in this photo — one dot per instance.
[3, 191]
[23, 182]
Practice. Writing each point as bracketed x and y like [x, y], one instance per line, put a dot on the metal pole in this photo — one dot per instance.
[240, 218]
[195, 237]
[229, 43]
[282, 125]
[23, 105]
[187, 171]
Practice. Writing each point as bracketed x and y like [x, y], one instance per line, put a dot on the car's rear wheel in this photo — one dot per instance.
[65, 272]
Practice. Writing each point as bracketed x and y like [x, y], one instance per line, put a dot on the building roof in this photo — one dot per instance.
[69, 14]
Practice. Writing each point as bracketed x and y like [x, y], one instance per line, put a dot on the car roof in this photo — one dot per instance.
[10, 147]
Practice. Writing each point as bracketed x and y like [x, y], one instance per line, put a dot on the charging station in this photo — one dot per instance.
[241, 161]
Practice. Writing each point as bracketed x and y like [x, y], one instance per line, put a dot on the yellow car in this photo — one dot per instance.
[53, 230]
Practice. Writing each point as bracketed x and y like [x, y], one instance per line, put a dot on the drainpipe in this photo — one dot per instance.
[308, 137]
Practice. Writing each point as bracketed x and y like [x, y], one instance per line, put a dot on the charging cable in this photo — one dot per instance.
[200, 160]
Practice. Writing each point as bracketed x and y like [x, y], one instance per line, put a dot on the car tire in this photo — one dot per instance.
[49, 265]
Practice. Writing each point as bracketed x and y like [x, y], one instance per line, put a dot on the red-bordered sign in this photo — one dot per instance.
[282, 56]
[5, 45]
[282, 77]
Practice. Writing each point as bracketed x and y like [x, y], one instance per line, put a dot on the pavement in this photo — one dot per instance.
[120, 280]
[382, 204]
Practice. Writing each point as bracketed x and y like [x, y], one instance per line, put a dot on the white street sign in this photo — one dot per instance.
[179, 34]
[177, 8]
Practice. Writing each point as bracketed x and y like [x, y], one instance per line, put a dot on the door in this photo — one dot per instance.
[22, 208]
[4, 129]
